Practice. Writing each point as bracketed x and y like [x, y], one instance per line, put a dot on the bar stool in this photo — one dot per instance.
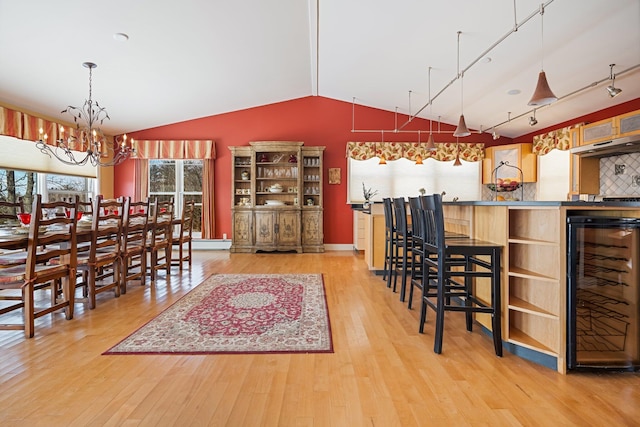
[449, 269]
[389, 235]
[417, 249]
[402, 245]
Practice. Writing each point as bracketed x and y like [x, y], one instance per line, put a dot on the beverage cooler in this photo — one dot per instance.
[603, 323]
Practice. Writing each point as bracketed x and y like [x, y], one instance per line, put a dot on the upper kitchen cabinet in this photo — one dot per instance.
[519, 155]
[614, 127]
[629, 123]
[584, 171]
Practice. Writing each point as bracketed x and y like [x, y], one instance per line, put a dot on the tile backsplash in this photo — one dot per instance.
[620, 175]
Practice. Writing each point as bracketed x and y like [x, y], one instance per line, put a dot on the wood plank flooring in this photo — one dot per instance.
[382, 373]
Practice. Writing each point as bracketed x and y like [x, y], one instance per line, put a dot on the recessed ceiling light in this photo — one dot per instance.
[514, 92]
[121, 37]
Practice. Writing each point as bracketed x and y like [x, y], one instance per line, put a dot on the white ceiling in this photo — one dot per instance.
[195, 58]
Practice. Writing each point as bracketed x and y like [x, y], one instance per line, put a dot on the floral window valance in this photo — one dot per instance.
[175, 149]
[445, 151]
[559, 139]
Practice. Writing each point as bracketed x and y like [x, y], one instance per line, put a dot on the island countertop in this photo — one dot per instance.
[533, 237]
[534, 203]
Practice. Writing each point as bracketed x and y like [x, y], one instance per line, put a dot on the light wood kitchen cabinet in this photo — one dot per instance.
[584, 171]
[628, 124]
[519, 155]
[277, 197]
[615, 127]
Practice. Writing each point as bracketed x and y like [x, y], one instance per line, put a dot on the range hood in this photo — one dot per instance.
[613, 147]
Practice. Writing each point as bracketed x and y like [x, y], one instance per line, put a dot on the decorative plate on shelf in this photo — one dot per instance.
[274, 202]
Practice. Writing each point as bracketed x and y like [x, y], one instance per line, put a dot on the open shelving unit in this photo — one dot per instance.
[534, 282]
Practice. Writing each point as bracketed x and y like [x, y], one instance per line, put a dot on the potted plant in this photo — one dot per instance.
[368, 193]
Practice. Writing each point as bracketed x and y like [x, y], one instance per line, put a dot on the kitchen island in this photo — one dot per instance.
[533, 236]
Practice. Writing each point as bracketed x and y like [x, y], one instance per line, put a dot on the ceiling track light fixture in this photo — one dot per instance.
[532, 120]
[612, 89]
[575, 92]
[462, 129]
[543, 95]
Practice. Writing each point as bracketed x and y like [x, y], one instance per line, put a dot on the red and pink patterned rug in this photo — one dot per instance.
[240, 313]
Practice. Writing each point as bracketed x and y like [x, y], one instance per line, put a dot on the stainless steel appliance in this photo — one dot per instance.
[603, 293]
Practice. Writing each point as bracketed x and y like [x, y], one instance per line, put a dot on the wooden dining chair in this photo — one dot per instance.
[184, 236]
[158, 244]
[49, 238]
[134, 238]
[101, 264]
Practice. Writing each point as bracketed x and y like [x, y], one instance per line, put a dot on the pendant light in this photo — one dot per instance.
[543, 94]
[457, 162]
[418, 156]
[383, 160]
[461, 130]
[612, 89]
[431, 146]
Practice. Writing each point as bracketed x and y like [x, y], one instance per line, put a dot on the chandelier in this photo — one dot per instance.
[88, 143]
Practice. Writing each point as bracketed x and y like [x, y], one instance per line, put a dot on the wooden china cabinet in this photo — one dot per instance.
[277, 197]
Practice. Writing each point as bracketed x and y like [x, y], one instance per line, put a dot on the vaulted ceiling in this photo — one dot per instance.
[195, 58]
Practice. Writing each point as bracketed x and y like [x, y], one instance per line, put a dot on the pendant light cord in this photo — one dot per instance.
[542, 35]
[461, 77]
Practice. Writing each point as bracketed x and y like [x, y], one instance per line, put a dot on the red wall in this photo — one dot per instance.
[313, 120]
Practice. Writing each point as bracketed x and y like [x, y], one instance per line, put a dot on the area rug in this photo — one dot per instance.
[240, 313]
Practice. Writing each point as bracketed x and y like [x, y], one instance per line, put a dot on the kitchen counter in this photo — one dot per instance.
[534, 269]
[533, 203]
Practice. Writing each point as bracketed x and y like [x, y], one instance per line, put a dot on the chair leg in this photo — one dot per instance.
[496, 302]
[386, 257]
[405, 266]
[28, 310]
[92, 288]
[437, 346]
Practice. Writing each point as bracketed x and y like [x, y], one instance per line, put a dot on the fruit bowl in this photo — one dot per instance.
[504, 187]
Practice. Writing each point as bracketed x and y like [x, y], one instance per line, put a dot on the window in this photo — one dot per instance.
[15, 184]
[180, 179]
[403, 178]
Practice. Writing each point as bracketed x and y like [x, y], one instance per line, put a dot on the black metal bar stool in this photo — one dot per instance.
[389, 237]
[450, 267]
[417, 249]
[402, 246]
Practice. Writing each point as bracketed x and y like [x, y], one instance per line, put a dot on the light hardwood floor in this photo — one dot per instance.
[382, 373]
